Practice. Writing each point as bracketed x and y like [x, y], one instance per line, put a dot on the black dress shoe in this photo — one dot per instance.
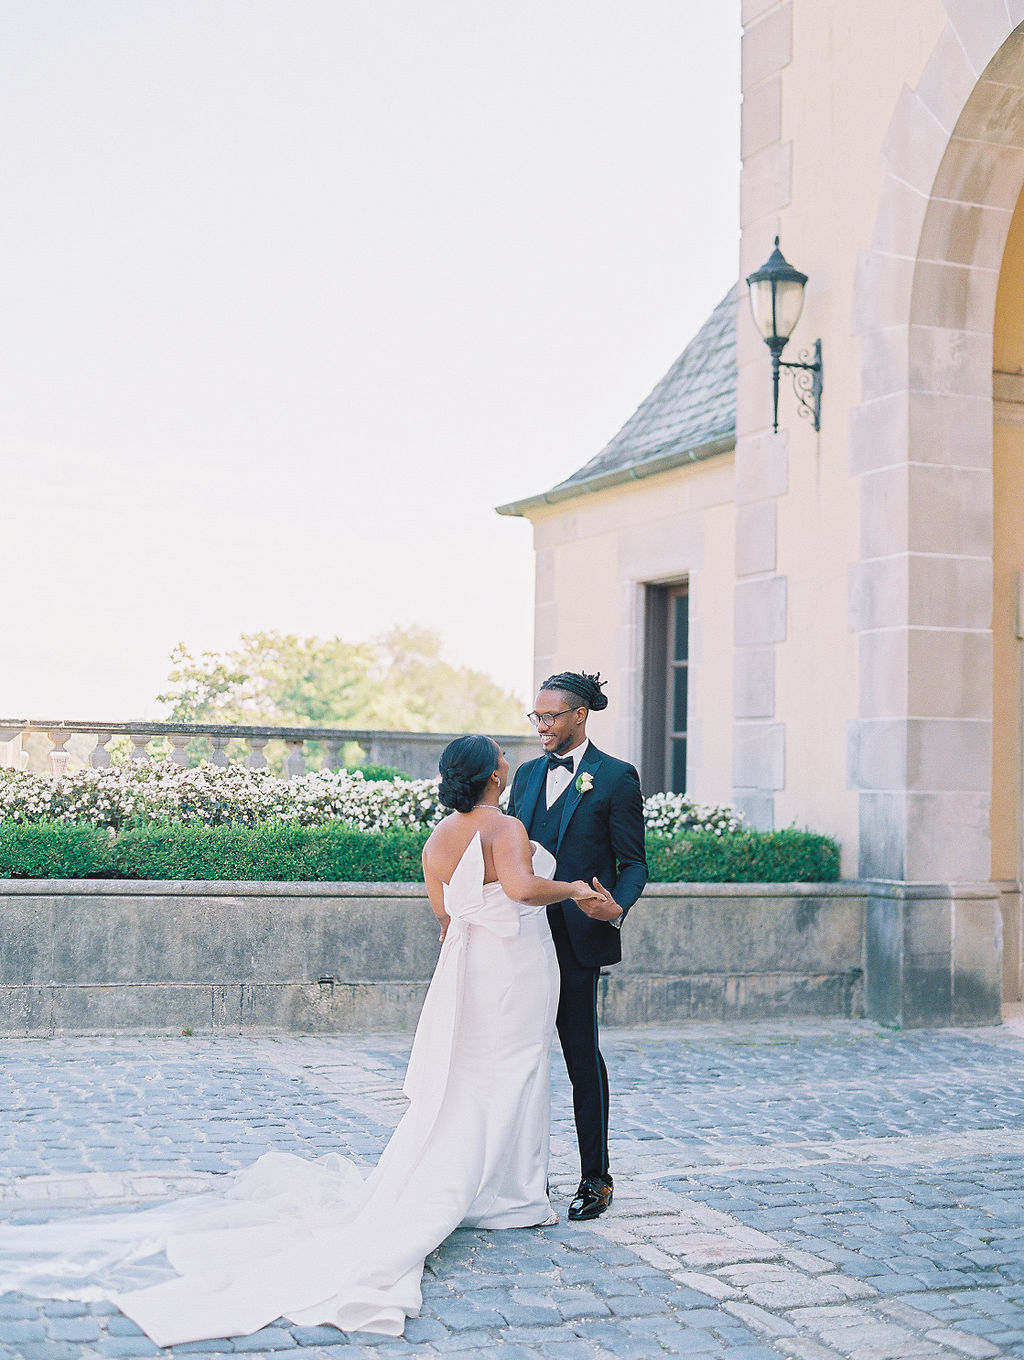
[592, 1198]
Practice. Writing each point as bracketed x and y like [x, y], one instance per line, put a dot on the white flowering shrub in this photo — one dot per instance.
[213, 795]
[673, 814]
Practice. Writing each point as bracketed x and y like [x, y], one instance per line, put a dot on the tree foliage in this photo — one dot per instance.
[399, 681]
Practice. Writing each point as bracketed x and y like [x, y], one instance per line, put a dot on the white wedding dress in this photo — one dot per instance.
[310, 1240]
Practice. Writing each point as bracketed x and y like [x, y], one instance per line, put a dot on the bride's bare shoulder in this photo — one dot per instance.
[441, 836]
[509, 831]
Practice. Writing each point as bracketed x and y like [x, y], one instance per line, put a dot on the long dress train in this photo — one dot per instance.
[310, 1240]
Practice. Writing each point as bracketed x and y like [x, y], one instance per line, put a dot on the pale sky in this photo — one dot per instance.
[294, 292]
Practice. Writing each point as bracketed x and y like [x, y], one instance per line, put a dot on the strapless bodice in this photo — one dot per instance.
[495, 901]
[468, 900]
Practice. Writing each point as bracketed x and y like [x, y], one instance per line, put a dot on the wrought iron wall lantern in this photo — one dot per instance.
[776, 300]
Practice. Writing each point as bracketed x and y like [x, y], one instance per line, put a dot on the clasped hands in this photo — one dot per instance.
[595, 902]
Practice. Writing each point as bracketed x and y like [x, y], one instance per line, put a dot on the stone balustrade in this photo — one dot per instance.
[414, 753]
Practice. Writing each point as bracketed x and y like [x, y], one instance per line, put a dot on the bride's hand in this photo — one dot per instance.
[581, 891]
[601, 906]
[444, 923]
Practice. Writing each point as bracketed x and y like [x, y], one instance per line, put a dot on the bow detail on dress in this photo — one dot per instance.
[467, 901]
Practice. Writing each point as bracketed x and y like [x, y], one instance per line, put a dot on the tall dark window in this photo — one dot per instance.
[666, 688]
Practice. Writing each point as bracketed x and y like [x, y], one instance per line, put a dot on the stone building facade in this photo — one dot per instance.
[848, 648]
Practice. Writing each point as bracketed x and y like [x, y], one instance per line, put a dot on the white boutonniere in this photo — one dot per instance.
[584, 782]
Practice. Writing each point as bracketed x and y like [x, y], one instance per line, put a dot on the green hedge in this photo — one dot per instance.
[284, 851]
[54, 850]
[279, 851]
[789, 856]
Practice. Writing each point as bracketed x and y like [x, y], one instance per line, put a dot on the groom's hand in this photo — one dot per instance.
[602, 906]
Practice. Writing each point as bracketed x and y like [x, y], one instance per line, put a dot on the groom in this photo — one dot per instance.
[587, 809]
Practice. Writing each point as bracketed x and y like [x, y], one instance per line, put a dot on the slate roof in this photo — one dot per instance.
[690, 413]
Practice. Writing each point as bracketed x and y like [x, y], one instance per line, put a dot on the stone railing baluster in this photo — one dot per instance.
[99, 756]
[140, 745]
[333, 758]
[58, 758]
[179, 740]
[12, 757]
[294, 761]
[256, 760]
[220, 750]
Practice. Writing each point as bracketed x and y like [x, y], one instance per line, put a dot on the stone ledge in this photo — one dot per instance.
[95, 956]
[156, 887]
[198, 887]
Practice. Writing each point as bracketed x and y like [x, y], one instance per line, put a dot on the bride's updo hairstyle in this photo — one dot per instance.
[579, 690]
[466, 764]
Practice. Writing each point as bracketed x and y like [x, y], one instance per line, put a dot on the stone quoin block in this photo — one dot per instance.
[760, 611]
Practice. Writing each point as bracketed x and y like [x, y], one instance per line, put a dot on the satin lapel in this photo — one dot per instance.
[591, 762]
[531, 793]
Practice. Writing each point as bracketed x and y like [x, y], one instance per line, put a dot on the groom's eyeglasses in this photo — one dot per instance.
[546, 719]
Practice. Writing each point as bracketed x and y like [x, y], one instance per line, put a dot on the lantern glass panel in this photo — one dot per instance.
[789, 303]
[761, 306]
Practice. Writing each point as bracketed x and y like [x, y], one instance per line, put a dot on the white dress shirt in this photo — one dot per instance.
[560, 777]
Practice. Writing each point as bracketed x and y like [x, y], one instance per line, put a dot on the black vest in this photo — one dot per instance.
[546, 820]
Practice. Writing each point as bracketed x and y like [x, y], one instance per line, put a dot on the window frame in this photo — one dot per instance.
[662, 664]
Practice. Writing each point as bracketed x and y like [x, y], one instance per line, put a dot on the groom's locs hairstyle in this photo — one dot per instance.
[578, 689]
[466, 764]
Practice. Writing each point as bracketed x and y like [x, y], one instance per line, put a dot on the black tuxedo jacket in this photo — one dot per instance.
[601, 832]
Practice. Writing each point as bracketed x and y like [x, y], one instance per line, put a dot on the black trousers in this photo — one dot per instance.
[577, 1033]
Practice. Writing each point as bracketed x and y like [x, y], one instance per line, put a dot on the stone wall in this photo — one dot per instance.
[105, 957]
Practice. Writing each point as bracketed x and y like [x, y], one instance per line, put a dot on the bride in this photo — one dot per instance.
[313, 1242]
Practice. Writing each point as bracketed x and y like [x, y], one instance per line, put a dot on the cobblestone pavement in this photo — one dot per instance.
[810, 1191]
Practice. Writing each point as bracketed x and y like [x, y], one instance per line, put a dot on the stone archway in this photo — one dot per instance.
[921, 444]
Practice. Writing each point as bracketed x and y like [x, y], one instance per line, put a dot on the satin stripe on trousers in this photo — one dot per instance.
[577, 1033]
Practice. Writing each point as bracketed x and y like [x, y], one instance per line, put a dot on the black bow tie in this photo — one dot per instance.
[564, 761]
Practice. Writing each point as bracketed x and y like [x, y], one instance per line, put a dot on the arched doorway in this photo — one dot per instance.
[1008, 601]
